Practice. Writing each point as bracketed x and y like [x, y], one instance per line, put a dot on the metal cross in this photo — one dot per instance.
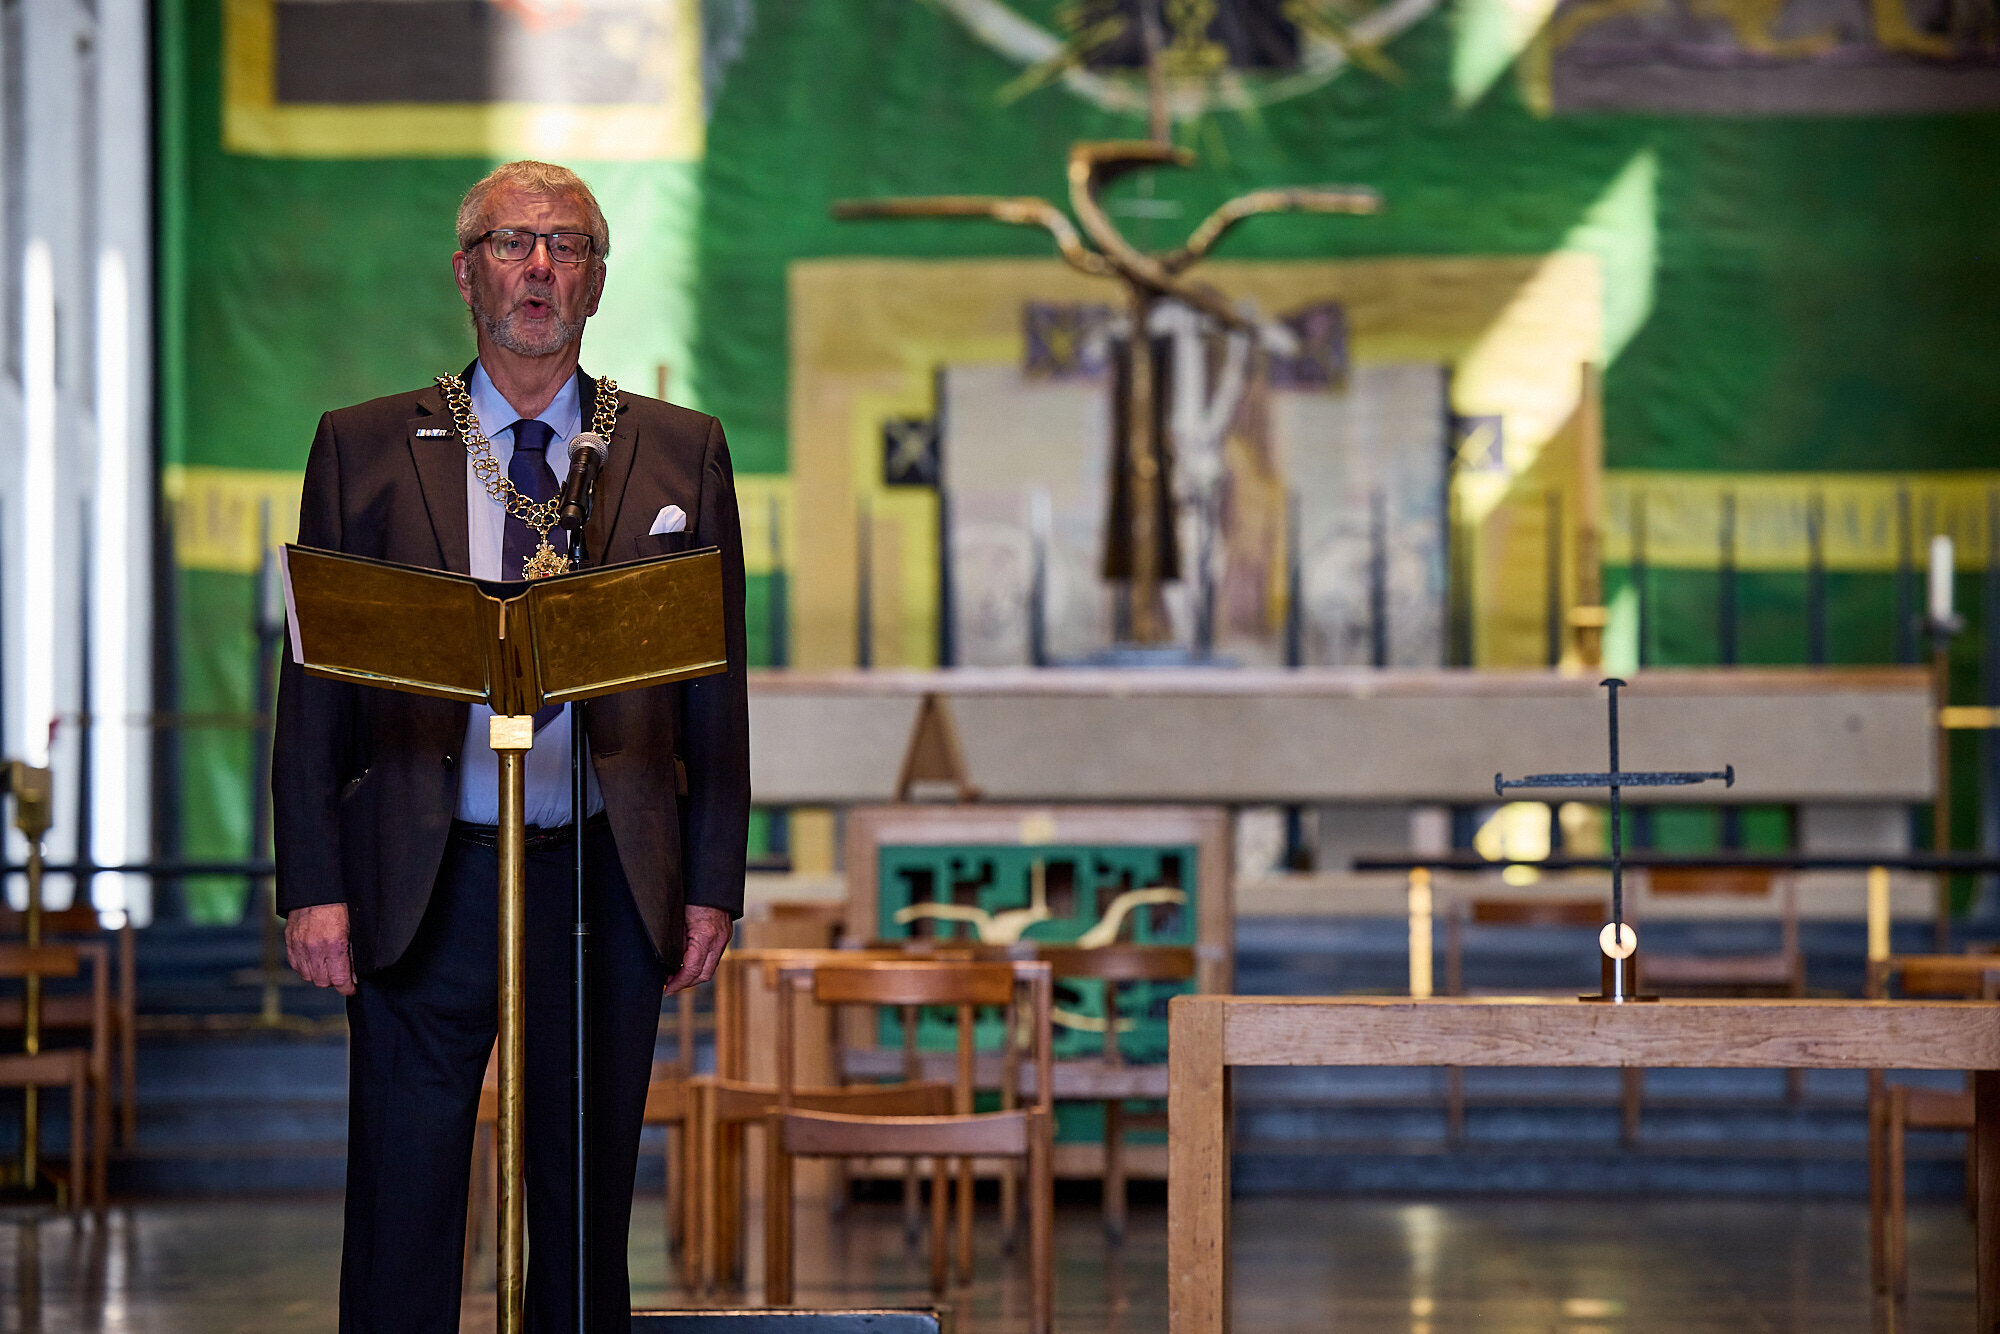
[1616, 779]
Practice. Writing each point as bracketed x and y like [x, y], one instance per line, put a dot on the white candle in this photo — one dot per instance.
[1940, 579]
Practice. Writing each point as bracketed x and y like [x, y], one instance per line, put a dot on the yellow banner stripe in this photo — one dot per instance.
[1861, 529]
[222, 516]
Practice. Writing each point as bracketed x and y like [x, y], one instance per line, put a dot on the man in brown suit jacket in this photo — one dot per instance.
[385, 801]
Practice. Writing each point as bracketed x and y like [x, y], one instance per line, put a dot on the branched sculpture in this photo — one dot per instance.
[1138, 533]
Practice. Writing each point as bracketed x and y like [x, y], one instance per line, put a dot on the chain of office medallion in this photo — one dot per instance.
[540, 517]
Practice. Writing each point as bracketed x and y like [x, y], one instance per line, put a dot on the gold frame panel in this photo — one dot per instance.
[254, 123]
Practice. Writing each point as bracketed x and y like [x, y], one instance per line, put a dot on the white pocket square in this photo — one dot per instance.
[670, 519]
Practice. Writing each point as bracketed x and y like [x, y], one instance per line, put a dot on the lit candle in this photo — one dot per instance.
[1940, 579]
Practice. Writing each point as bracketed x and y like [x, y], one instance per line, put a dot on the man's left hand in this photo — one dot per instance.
[708, 932]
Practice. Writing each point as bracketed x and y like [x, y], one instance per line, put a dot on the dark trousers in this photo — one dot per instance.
[421, 1031]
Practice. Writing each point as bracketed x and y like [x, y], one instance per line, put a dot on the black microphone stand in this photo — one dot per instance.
[579, 809]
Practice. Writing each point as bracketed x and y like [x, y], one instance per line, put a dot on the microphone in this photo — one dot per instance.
[586, 455]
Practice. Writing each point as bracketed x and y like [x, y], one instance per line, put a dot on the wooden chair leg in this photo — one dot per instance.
[493, 1182]
[777, 1217]
[128, 1081]
[965, 1192]
[475, 1208]
[1971, 1176]
[671, 1189]
[1114, 1169]
[1454, 1104]
[940, 1226]
[80, 1169]
[1899, 1255]
[1041, 1227]
[705, 1181]
[128, 1039]
[1010, 1204]
[683, 1235]
[1795, 1086]
[913, 1203]
[1878, 1254]
[100, 1134]
[692, 1239]
[1631, 1089]
[731, 1209]
[839, 1189]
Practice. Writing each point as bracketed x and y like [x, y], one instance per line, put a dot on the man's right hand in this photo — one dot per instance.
[316, 946]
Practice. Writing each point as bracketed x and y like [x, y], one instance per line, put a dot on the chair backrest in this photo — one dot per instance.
[79, 919]
[1538, 912]
[1960, 976]
[965, 985]
[17, 960]
[913, 982]
[1746, 882]
[1120, 962]
[1113, 965]
[950, 947]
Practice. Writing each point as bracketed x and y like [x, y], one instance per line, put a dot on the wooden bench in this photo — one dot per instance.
[1210, 1034]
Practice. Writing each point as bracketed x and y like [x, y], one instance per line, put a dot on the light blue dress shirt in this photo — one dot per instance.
[548, 762]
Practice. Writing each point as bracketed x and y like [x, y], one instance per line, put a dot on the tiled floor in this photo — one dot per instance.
[1303, 1266]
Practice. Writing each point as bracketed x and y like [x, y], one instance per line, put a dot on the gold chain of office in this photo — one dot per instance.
[538, 515]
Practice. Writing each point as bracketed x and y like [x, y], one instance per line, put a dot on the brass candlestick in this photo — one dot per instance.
[33, 791]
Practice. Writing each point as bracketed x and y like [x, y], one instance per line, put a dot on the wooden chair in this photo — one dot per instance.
[1530, 913]
[84, 1071]
[1108, 1079]
[719, 1170]
[723, 1106]
[79, 924]
[1896, 1109]
[1013, 1132]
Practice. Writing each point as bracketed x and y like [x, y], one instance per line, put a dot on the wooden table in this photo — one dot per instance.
[1210, 1034]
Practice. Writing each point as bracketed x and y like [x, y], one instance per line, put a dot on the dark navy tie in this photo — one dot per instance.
[532, 476]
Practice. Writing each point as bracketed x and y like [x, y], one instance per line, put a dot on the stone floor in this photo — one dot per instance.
[1303, 1266]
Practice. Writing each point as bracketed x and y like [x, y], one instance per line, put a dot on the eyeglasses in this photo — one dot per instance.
[512, 244]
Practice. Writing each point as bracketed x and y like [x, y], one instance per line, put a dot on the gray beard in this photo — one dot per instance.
[505, 330]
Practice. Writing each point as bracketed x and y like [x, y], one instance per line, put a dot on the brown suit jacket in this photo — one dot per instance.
[365, 780]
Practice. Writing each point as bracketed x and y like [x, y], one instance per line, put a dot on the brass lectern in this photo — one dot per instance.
[516, 647]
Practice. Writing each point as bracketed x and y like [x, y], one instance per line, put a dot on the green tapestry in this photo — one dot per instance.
[1797, 252]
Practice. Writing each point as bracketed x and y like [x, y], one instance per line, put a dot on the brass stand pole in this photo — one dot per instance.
[511, 736]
